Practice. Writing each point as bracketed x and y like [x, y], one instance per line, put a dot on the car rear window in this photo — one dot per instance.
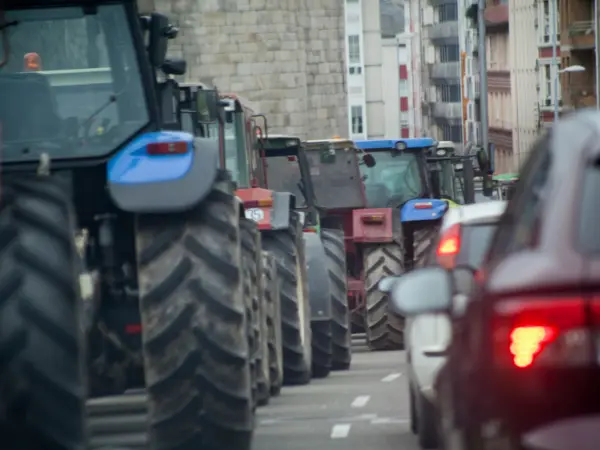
[475, 242]
[589, 216]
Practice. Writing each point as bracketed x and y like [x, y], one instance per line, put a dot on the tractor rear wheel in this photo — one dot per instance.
[288, 248]
[423, 242]
[194, 326]
[42, 340]
[385, 329]
[273, 322]
[333, 240]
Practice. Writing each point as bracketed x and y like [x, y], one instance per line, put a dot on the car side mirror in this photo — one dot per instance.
[369, 160]
[422, 291]
[207, 105]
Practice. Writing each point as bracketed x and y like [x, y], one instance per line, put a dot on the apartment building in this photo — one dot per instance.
[500, 121]
[578, 48]
[441, 73]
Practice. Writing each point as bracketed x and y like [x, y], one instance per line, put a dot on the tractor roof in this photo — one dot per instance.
[339, 142]
[281, 136]
[372, 144]
[506, 177]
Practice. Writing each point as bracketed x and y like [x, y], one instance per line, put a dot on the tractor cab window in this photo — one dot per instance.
[283, 171]
[236, 161]
[72, 86]
[395, 179]
[443, 179]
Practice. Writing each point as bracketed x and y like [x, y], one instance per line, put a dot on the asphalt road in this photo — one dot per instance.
[363, 408]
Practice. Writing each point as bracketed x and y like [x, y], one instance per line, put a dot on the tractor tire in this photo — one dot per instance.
[333, 241]
[194, 330]
[273, 323]
[288, 248]
[385, 329]
[423, 242]
[357, 321]
[254, 296]
[322, 348]
[42, 342]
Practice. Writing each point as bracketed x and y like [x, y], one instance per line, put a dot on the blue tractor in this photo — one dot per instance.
[120, 261]
[410, 185]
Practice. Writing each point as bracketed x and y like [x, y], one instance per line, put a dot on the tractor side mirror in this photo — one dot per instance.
[158, 37]
[174, 66]
[369, 160]
[207, 105]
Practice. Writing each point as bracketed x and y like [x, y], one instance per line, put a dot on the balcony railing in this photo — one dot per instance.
[581, 34]
[579, 96]
[445, 70]
[447, 110]
[444, 30]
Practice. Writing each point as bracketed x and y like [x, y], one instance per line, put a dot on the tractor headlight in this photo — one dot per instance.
[441, 152]
[400, 146]
[292, 143]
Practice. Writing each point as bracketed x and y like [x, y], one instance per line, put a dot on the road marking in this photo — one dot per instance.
[340, 431]
[390, 377]
[361, 401]
[387, 420]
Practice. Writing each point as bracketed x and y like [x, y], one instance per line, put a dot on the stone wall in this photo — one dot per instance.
[285, 56]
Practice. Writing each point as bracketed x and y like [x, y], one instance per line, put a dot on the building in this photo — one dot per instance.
[288, 58]
[500, 109]
[578, 48]
[441, 70]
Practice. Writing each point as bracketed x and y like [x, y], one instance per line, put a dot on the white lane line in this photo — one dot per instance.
[387, 420]
[361, 401]
[340, 431]
[390, 377]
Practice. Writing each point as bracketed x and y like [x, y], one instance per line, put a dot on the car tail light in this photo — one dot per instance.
[133, 328]
[264, 203]
[167, 148]
[552, 332]
[449, 247]
[291, 158]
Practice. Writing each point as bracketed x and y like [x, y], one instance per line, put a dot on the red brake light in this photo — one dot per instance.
[449, 246]
[423, 205]
[291, 158]
[133, 328]
[549, 332]
[168, 148]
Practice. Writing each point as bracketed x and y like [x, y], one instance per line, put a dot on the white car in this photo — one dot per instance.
[464, 237]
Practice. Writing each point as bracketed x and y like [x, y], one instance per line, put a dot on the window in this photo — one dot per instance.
[403, 88]
[447, 12]
[450, 53]
[546, 22]
[451, 133]
[449, 93]
[356, 113]
[547, 75]
[354, 49]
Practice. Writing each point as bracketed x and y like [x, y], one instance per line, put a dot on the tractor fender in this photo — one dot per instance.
[142, 183]
[318, 278]
[283, 204]
[422, 209]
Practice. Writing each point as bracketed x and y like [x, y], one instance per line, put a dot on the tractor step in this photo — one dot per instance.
[118, 421]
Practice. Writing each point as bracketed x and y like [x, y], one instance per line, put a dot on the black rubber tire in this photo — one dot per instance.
[42, 343]
[385, 329]
[273, 322]
[427, 423]
[322, 348]
[194, 326]
[333, 241]
[254, 297]
[288, 248]
[423, 241]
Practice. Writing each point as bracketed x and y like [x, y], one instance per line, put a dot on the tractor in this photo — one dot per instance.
[273, 212]
[288, 171]
[504, 185]
[405, 202]
[122, 262]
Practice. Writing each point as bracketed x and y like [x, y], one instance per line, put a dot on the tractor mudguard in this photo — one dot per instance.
[143, 183]
[270, 210]
[373, 225]
[318, 278]
[283, 203]
[421, 209]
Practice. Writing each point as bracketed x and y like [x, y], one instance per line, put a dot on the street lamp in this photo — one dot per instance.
[570, 69]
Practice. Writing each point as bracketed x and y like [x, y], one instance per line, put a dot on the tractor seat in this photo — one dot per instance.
[27, 110]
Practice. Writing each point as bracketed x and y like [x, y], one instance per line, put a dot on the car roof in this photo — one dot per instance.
[475, 213]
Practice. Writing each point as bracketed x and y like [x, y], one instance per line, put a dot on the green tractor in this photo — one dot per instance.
[504, 185]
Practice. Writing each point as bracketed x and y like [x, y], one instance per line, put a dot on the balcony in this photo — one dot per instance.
[444, 31]
[445, 71]
[579, 96]
[581, 35]
[448, 111]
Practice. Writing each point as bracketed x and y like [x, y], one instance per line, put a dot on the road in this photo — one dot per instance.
[363, 408]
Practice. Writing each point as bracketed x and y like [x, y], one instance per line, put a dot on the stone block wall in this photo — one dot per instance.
[285, 56]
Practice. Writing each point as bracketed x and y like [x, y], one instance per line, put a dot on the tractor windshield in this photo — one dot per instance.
[283, 174]
[443, 179]
[72, 86]
[236, 160]
[395, 179]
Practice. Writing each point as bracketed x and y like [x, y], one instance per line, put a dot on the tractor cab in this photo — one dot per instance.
[451, 175]
[504, 185]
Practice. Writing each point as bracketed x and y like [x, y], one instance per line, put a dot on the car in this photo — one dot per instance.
[524, 359]
[462, 239]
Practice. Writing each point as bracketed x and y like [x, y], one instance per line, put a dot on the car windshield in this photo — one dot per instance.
[476, 240]
[72, 86]
[283, 174]
[394, 179]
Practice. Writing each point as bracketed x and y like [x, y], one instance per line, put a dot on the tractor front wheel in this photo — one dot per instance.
[385, 329]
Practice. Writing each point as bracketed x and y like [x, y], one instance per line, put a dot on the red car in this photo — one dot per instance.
[524, 361]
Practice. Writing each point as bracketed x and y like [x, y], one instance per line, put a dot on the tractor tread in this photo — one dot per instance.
[273, 323]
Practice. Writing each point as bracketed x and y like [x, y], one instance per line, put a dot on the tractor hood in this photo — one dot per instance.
[423, 209]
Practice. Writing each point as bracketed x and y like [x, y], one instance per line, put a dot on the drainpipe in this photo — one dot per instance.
[597, 45]
[555, 74]
[483, 79]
